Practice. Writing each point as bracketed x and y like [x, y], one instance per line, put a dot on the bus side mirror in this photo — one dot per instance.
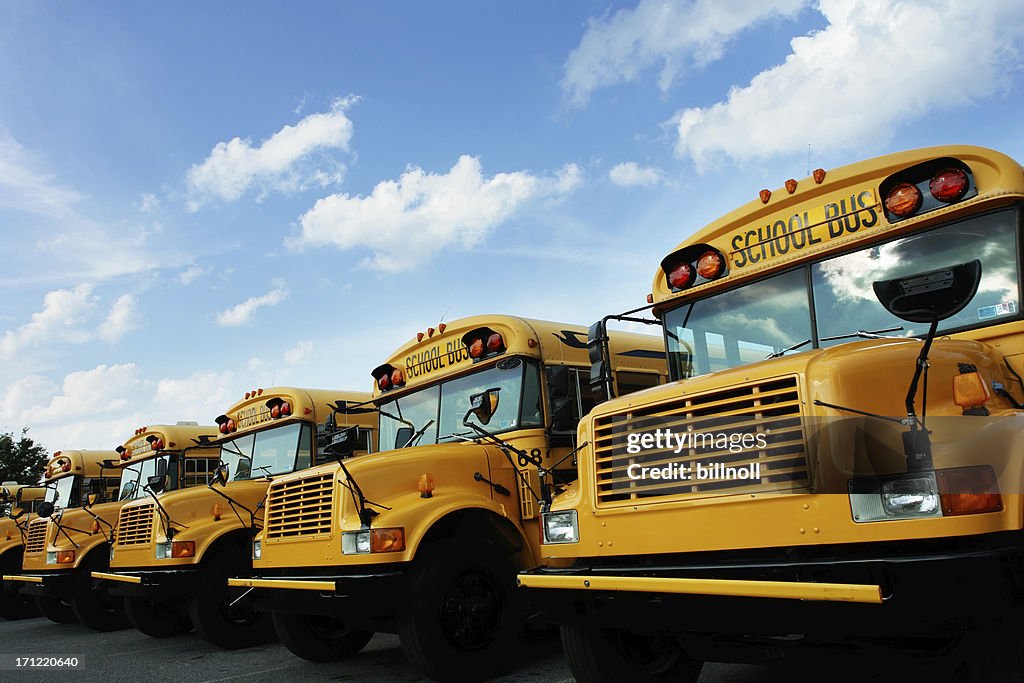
[45, 509]
[220, 475]
[403, 436]
[341, 443]
[600, 370]
[562, 414]
[95, 494]
[158, 482]
[930, 296]
[482, 406]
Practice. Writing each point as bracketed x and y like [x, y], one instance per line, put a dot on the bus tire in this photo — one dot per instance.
[319, 638]
[56, 610]
[994, 656]
[210, 608]
[91, 600]
[464, 620]
[608, 655]
[14, 605]
[158, 619]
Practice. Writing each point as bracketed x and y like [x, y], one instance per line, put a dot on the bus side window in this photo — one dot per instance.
[628, 382]
[580, 392]
[198, 471]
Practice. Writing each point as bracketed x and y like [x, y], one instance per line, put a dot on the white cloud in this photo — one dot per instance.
[242, 313]
[101, 407]
[299, 353]
[631, 174]
[23, 186]
[191, 274]
[405, 221]
[877, 64]
[63, 313]
[282, 162]
[149, 203]
[673, 34]
[123, 318]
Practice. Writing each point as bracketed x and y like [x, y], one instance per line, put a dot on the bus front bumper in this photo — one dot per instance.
[49, 585]
[160, 584]
[373, 595]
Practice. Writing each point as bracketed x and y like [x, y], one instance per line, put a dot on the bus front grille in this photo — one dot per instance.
[35, 542]
[135, 525]
[300, 507]
[766, 413]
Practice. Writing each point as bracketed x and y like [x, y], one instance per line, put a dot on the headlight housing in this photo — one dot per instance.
[355, 542]
[384, 540]
[51, 557]
[942, 493]
[257, 550]
[561, 527]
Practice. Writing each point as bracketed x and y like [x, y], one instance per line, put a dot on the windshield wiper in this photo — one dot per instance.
[866, 334]
[786, 350]
[366, 515]
[418, 435]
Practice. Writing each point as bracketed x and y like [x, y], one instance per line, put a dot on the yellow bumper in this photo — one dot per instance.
[25, 579]
[123, 578]
[791, 590]
[287, 584]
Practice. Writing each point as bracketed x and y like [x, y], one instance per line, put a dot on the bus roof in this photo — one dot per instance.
[80, 462]
[149, 439]
[445, 351]
[815, 205]
[254, 412]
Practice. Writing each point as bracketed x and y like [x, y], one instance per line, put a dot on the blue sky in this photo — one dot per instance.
[203, 198]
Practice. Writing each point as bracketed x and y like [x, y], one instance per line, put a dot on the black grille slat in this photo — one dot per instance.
[300, 507]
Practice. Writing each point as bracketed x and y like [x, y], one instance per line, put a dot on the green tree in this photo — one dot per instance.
[21, 459]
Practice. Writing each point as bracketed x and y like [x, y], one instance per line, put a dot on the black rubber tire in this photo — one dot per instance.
[91, 600]
[465, 620]
[319, 638]
[612, 655]
[227, 627]
[56, 610]
[14, 605]
[158, 619]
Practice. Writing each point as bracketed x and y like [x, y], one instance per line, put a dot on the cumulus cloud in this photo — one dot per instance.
[242, 313]
[298, 353]
[405, 221]
[286, 161]
[101, 407]
[61, 318]
[123, 318]
[877, 64]
[631, 174]
[674, 34]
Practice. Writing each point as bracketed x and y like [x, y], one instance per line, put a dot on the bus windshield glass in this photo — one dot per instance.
[267, 452]
[771, 317]
[434, 414]
[135, 476]
[63, 493]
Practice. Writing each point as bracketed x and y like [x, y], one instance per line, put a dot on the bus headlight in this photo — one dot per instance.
[257, 550]
[163, 551]
[51, 557]
[561, 527]
[355, 542]
[906, 496]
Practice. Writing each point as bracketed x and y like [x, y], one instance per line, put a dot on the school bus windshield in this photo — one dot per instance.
[64, 492]
[437, 411]
[267, 452]
[773, 316]
[135, 476]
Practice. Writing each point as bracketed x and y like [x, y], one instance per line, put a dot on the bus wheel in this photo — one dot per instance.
[609, 655]
[464, 623]
[57, 610]
[993, 656]
[14, 605]
[215, 619]
[93, 604]
[319, 638]
[158, 619]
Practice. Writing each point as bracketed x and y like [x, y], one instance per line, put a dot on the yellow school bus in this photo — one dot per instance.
[17, 508]
[72, 538]
[424, 538]
[172, 556]
[837, 464]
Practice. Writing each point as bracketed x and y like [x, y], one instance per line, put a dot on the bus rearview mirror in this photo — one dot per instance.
[220, 475]
[45, 509]
[482, 406]
[932, 295]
